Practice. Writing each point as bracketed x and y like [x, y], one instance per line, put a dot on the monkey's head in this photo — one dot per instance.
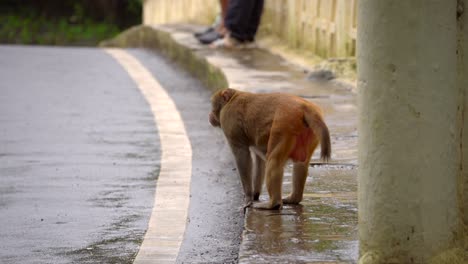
[218, 101]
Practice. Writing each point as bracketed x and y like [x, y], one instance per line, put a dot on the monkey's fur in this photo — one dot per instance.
[275, 128]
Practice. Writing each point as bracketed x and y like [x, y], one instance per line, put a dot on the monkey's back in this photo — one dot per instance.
[252, 116]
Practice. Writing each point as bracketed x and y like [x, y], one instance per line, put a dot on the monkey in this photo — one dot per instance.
[264, 131]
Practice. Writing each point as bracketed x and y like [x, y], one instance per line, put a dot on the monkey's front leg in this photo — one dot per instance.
[298, 182]
[258, 177]
[244, 167]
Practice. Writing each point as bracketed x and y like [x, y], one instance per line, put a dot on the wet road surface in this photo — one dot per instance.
[79, 157]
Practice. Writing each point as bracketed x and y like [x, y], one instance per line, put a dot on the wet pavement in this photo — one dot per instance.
[323, 229]
[79, 156]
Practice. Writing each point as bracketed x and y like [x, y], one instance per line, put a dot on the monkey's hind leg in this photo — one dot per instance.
[274, 181]
[300, 171]
[279, 146]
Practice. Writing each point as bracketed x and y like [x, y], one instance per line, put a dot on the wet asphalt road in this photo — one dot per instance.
[79, 157]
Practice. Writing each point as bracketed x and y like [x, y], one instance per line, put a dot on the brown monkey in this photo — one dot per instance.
[275, 128]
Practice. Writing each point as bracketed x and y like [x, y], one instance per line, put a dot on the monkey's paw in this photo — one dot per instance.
[268, 206]
[290, 200]
[256, 196]
[247, 205]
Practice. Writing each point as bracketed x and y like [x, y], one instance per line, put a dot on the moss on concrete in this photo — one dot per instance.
[371, 257]
[160, 40]
[452, 256]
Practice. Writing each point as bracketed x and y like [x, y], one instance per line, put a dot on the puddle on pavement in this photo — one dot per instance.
[323, 229]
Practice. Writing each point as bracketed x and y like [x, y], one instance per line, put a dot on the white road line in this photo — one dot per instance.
[166, 227]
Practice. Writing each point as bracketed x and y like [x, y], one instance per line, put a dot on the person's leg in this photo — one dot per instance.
[217, 30]
[237, 18]
[224, 6]
[254, 20]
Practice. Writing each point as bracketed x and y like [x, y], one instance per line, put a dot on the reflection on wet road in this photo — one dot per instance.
[323, 229]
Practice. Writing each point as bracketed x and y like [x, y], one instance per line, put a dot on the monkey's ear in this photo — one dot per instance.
[227, 94]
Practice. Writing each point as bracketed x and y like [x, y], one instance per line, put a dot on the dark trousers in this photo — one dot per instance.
[243, 17]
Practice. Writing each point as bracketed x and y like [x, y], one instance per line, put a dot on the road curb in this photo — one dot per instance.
[166, 227]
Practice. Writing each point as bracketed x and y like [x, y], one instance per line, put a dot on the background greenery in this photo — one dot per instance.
[65, 22]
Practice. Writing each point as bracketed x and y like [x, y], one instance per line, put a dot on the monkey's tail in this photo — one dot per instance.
[316, 123]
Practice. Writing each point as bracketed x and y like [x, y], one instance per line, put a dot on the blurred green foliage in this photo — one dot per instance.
[83, 23]
[39, 30]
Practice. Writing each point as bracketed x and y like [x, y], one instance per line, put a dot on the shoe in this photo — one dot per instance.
[227, 42]
[198, 34]
[249, 45]
[233, 43]
[210, 37]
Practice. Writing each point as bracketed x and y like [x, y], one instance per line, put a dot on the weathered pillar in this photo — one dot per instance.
[462, 52]
[409, 152]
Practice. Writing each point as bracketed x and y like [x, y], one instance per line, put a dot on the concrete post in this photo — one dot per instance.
[462, 52]
[408, 131]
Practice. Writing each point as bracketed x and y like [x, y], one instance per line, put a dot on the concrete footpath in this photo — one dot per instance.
[323, 229]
